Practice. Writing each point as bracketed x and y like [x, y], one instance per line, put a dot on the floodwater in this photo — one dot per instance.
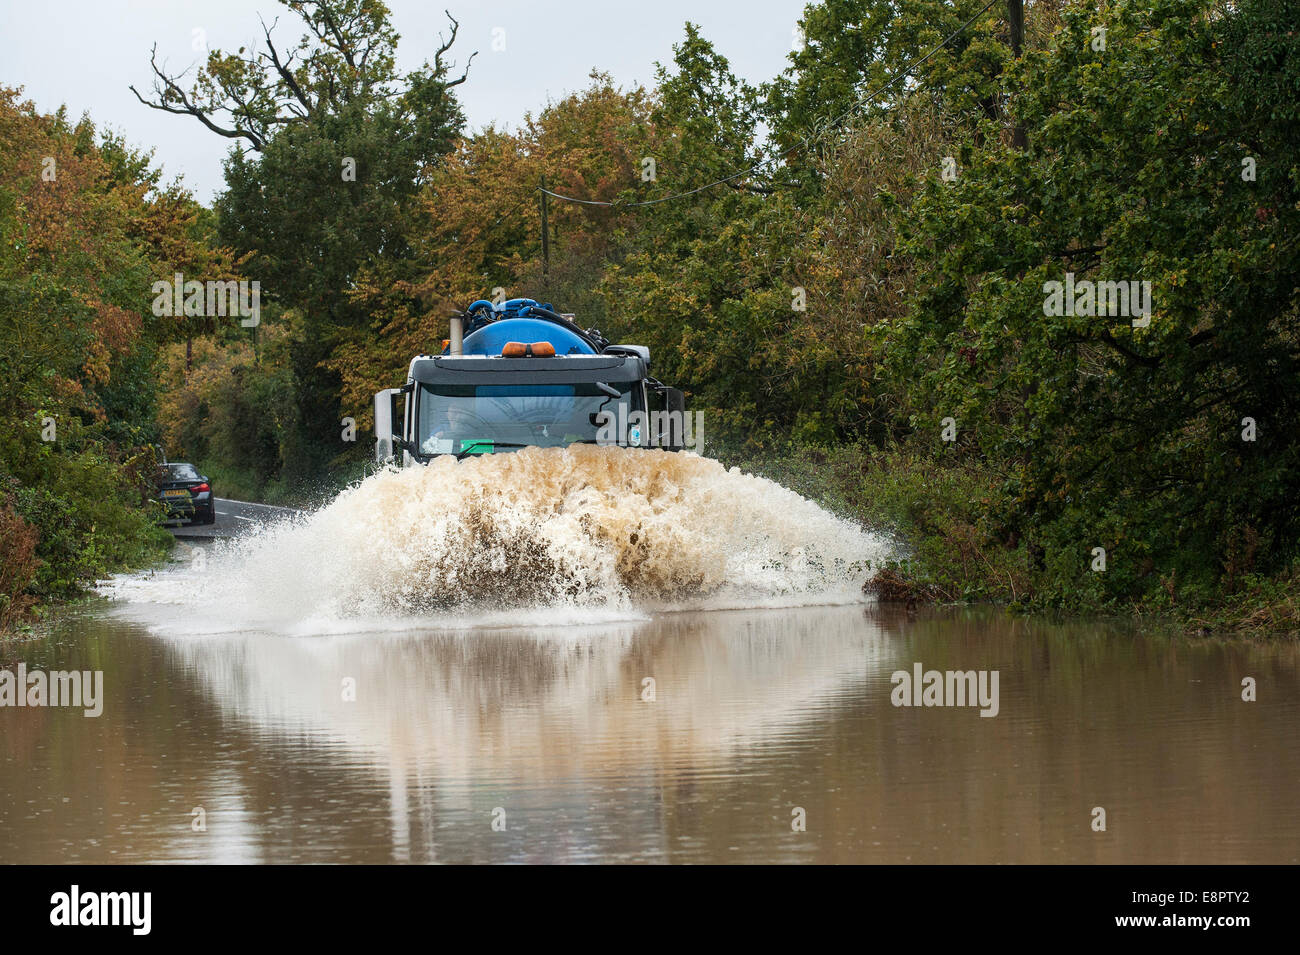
[613, 655]
[756, 714]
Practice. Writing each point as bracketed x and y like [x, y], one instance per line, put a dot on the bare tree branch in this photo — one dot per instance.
[283, 68]
[463, 76]
[170, 92]
[455, 26]
[444, 46]
[345, 56]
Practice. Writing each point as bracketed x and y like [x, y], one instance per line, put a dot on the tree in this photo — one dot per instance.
[345, 59]
[475, 225]
[85, 230]
[852, 51]
[1166, 158]
[338, 145]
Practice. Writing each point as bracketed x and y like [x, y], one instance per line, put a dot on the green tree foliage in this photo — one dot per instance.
[698, 280]
[820, 268]
[477, 220]
[1129, 438]
[338, 144]
[84, 232]
[856, 60]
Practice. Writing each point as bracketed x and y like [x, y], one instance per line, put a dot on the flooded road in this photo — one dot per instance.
[543, 744]
[591, 654]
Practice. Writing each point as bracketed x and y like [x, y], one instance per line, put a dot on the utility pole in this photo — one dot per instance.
[1016, 19]
[546, 239]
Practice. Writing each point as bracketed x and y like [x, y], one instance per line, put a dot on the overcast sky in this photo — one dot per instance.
[85, 53]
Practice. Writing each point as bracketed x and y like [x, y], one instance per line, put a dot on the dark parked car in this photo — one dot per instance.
[186, 494]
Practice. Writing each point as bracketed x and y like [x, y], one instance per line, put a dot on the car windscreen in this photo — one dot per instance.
[180, 472]
[455, 418]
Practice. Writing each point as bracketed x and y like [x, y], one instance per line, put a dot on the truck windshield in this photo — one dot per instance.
[476, 418]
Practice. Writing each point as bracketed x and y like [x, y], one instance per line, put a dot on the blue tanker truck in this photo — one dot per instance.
[518, 374]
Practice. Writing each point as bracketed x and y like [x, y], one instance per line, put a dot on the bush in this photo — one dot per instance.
[18, 565]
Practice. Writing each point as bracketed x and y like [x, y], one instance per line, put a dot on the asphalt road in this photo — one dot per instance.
[233, 519]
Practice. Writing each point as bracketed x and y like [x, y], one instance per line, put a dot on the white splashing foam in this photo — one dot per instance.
[558, 535]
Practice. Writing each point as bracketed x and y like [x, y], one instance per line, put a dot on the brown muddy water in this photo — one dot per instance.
[614, 655]
[756, 714]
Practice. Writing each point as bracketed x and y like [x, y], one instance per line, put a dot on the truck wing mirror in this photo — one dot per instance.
[387, 442]
[670, 428]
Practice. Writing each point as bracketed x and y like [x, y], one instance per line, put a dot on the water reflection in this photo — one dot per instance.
[755, 713]
[516, 713]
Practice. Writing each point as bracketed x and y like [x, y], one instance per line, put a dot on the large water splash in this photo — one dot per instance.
[543, 530]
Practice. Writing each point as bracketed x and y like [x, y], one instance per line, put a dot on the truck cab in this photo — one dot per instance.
[519, 374]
